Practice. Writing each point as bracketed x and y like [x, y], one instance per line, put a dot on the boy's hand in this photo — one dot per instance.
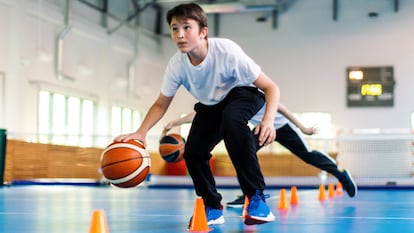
[267, 133]
[310, 130]
[131, 136]
[167, 128]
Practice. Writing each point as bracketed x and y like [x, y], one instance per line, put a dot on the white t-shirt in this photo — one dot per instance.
[226, 66]
[280, 120]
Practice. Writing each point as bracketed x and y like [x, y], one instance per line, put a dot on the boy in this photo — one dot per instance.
[288, 136]
[230, 88]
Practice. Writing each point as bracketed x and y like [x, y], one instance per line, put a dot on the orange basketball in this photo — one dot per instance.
[172, 148]
[125, 164]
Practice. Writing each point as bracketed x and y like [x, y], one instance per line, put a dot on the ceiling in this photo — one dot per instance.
[127, 12]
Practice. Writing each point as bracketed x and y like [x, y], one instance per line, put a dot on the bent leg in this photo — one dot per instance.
[203, 136]
[242, 104]
[290, 139]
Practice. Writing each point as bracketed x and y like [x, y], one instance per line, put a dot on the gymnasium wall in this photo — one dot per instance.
[306, 55]
[27, 161]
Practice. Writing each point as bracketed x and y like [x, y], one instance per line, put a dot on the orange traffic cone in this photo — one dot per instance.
[294, 200]
[98, 223]
[339, 188]
[322, 195]
[245, 205]
[283, 204]
[331, 190]
[199, 220]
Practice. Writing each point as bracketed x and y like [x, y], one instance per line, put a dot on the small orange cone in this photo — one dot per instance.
[245, 205]
[98, 223]
[331, 190]
[199, 220]
[294, 200]
[339, 188]
[322, 195]
[283, 204]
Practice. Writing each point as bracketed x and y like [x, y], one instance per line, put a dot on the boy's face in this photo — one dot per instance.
[186, 34]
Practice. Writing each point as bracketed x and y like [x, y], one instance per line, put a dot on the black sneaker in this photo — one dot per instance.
[236, 203]
[349, 184]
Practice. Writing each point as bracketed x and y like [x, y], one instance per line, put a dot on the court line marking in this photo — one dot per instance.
[374, 218]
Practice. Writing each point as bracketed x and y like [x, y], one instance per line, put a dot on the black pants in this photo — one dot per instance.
[290, 139]
[227, 120]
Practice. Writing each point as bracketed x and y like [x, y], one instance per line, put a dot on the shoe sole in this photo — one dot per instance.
[238, 206]
[217, 221]
[251, 220]
[352, 182]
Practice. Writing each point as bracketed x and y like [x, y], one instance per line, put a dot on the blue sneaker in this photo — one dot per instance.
[214, 216]
[257, 211]
[349, 184]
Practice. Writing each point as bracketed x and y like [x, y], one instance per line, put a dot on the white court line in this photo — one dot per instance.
[374, 218]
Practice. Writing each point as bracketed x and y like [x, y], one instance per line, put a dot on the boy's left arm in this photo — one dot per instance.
[265, 129]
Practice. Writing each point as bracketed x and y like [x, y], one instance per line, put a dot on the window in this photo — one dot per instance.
[320, 120]
[185, 128]
[124, 120]
[66, 120]
[324, 140]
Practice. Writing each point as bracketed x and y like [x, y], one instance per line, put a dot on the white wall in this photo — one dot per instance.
[306, 55]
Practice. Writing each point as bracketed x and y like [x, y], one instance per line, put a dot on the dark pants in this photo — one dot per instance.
[290, 139]
[227, 120]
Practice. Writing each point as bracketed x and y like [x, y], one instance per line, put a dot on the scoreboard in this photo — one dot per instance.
[370, 86]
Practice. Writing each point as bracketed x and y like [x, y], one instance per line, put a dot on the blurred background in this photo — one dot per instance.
[76, 73]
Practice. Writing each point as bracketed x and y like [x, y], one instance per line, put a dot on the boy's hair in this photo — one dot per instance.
[188, 11]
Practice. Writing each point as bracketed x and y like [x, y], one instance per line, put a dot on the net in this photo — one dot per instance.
[378, 155]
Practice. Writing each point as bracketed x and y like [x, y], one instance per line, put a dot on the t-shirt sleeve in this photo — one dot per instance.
[171, 81]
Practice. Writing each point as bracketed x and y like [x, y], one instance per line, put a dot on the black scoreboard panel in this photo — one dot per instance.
[370, 86]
